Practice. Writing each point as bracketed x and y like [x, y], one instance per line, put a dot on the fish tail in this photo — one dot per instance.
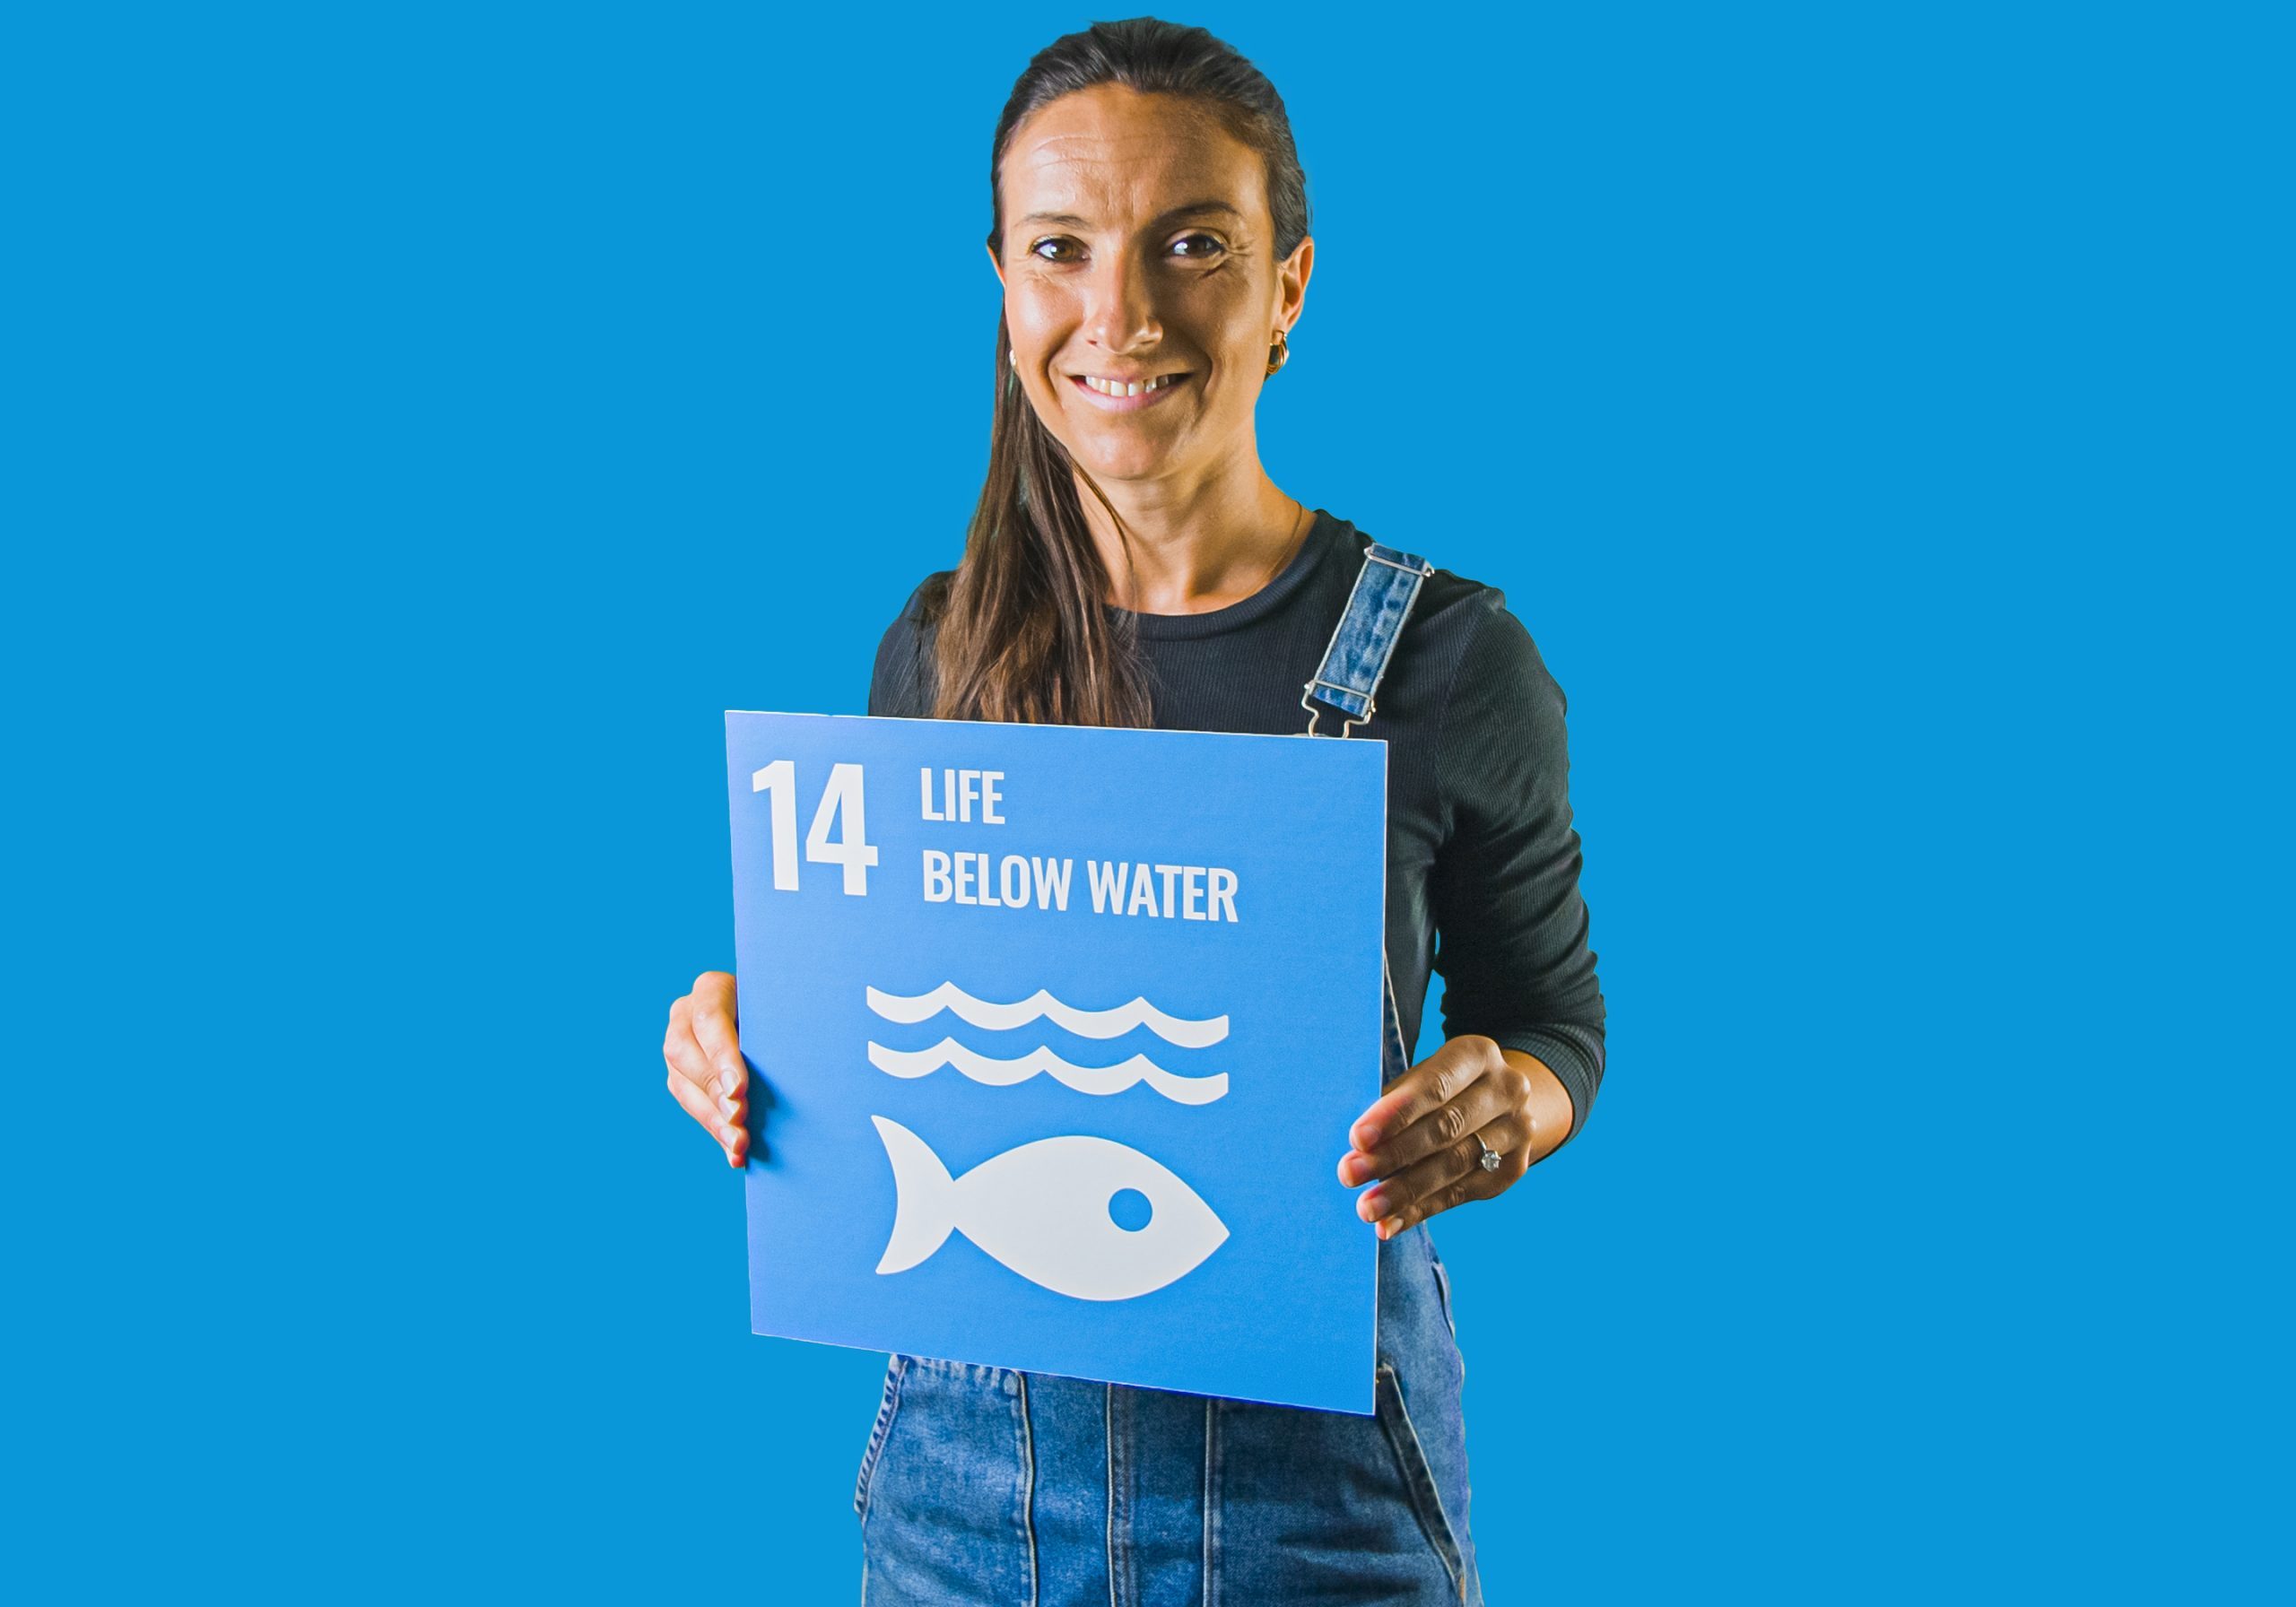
[924, 1198]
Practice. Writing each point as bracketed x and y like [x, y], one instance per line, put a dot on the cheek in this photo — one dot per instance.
[1038, 319]
[1244, 338]
[1238, 366]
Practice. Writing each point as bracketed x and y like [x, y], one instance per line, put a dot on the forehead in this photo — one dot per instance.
[1112, 155]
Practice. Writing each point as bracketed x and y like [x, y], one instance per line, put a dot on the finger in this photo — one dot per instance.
[1478, 1105]
[726, 1129]
[689, 1060]
[1434, 1083]
[692, 1083]
[711, 1016]
[1442, 1200]
[1449, 1175]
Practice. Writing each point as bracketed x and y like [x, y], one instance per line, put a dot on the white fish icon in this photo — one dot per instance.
[1045, 1210]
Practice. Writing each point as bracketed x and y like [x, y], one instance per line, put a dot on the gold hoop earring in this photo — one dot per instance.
[1279, 353]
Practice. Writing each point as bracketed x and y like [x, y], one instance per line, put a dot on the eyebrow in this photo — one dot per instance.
[1069, 220]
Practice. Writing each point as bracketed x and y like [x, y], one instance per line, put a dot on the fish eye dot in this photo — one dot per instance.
[1130, 1209]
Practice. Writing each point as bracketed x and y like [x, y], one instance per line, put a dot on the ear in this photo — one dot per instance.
[995, 261]
[1291, 280]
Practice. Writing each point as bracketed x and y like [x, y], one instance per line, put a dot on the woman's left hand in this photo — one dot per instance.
[1418, 1136]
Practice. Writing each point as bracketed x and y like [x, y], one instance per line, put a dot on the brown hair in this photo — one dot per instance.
[1024, 630]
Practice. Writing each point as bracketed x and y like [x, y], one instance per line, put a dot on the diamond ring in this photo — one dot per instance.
[1489, 1156]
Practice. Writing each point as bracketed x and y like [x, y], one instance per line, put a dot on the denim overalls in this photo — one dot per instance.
[981, 1484]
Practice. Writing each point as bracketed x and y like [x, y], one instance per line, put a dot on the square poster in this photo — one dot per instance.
[1055, 1034]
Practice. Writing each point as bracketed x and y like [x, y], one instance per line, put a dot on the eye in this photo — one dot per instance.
[1198, 247]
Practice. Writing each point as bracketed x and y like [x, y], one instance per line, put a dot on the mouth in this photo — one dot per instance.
[1114, 396]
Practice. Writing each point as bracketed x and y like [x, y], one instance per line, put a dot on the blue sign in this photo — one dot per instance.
[1057, 1033]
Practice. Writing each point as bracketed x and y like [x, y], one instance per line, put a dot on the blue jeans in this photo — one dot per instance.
[981, 1484]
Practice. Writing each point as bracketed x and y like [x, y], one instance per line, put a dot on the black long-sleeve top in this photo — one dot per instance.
[1481, 854]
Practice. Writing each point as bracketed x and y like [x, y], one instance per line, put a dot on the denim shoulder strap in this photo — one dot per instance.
[1353, 665]
[1364, 639]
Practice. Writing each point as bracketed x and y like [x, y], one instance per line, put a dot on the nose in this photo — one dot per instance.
[1120, 307]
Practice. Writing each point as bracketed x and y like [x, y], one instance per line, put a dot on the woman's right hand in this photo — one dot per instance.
[705, 1057]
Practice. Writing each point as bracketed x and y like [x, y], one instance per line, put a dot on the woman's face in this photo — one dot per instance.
[1138, 244]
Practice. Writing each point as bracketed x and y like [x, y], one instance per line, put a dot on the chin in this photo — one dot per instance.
[1125, 466]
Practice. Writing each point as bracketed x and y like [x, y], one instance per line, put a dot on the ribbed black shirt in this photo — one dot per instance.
[1481, 854]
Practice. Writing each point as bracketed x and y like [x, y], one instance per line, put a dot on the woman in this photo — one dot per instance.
[1131, 563]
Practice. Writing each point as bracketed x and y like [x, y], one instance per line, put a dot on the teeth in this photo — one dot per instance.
[1108, 387]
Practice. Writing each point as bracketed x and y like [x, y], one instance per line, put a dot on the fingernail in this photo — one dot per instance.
[732, 1158]
[725, 1107]
[731, 1136]
[1367, 1136]
[1391, 1227]
[1372, 1206]
[729, 1076]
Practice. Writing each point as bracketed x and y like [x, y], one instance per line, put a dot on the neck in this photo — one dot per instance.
[1192, 546]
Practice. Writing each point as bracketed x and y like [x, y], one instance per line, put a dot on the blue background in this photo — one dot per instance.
[1284, 1307]
[424, 420]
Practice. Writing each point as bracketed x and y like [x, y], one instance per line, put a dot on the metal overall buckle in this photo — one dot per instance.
[1346, 725]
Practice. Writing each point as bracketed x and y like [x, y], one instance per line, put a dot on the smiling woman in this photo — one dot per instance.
[1131, 563]
[1150, 229]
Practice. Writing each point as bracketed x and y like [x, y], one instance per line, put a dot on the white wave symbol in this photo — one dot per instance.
[1043, 1209]
[1085, 1023]
[1084, 1078]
